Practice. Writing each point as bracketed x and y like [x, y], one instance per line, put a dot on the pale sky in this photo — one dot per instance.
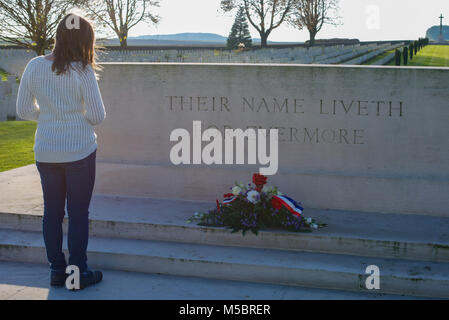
[397, 20]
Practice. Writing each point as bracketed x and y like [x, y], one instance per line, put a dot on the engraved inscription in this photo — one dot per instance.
[296, 108]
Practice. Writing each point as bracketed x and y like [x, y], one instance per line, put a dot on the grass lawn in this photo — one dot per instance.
[16, 144]
[3, 75]
[430, 56]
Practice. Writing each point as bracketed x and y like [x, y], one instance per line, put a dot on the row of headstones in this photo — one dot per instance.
[364, 58]
[336, 55]
[210, 55]
[385, 60]
[344, 56]
[14, 60]
[332, 54]
[8, 96]
[253, 56]
[355, 55]
[300, 56]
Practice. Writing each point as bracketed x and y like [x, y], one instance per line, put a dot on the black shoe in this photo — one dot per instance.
[89, 278]
[57, 278]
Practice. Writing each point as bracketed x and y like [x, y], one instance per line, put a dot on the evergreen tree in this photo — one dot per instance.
[397, 57]
[405, 55]
[240, 31]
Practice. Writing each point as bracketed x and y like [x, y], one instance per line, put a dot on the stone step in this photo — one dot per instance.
[30, 281]
[411, 237]
[295, 268]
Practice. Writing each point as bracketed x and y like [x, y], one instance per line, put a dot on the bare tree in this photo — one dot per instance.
[264, 15]
[32, 23]
[121, 15]
[313, 14]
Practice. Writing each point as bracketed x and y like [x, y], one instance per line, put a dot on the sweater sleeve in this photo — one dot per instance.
[95, 112]
[26, 105]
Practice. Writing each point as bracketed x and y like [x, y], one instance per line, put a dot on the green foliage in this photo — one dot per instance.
[240, 31]
[246, 216]
[3, 75]
[252, 211]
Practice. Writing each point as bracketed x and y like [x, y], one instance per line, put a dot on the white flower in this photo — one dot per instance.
[314, 226]
[280, 193]
[196, 214]
[242, 186]
[267, 189]
[309, 220]
[253, 196]
[236, 190]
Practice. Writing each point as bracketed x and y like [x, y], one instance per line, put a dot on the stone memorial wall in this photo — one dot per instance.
[350, 138]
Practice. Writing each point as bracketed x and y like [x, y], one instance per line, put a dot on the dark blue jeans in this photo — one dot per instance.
[70, 182]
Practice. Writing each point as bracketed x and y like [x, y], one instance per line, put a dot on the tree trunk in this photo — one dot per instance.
[38, 45]
[312, 38]
[123, 40]
[39, 51]
[263, 40]
[39, 48]
[124, 44]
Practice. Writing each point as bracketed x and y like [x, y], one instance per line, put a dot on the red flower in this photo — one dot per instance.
[259, 180]
[228, 195]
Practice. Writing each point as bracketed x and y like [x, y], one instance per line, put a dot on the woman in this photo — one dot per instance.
[60, 92]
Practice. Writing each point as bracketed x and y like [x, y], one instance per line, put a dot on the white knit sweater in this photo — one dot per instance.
[66, 108]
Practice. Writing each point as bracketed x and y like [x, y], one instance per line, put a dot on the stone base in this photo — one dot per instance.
[321, 190]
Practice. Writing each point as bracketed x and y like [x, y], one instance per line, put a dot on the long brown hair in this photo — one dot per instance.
[74, 42]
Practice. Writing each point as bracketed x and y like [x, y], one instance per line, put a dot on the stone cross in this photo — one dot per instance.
[441, 23]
